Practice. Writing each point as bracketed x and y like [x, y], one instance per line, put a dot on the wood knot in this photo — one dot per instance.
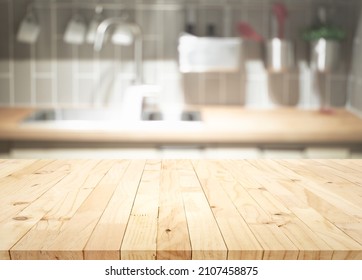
[168, 230]
[21, 218]
[19, 203]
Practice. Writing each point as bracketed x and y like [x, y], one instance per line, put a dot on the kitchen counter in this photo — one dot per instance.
[226, 125]
[180, 209]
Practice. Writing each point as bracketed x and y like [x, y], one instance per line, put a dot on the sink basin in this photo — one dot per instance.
[159, 116]
[74, 115]
[99, 117]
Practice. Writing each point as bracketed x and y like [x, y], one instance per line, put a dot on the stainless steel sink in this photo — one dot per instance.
[99, 116]
[159, 116]
[74, 115]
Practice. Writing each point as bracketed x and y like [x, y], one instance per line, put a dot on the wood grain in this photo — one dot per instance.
[206, 239]
[274, 241]
[238, 237]
[106, 239]
[62, 207]
[173, 241]
[140, 238]
[181, 209]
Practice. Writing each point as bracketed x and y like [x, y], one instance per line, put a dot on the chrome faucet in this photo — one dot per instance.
[138, 42]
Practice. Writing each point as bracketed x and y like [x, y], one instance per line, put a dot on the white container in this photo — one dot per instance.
[279, 55]
[209, 54]
[29, 29]
[76, 31]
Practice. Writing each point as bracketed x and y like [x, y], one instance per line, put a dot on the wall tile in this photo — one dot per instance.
[4, 91]
[338, 94]
[293, 94]
[4, 33]
[44, 89]
[150, 49]
[43, 47]
[151, 22]
[22, 83]
[4, 66]
[211, 88]
[210, 18]
[21, 50]
[191, 88]
[175, 23]
[65, 83]
[86, 92]
[86, 59]
[235, 90]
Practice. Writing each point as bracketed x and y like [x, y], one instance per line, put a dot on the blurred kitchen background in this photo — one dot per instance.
[53, 73]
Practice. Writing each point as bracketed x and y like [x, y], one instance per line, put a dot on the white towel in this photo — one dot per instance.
[209, 54]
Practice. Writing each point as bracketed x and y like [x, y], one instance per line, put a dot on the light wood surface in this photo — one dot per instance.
[234, 125]
[181, 209]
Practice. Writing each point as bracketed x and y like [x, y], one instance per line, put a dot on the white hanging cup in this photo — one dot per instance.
[29, 28]
[75, 31]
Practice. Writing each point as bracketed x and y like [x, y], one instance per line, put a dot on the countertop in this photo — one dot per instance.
[180, 209]
[221, 125]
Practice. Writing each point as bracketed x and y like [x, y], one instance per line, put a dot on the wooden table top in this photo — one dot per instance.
[180, 209]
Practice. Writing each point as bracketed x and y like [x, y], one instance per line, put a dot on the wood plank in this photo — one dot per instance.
[344, 247]
[20, 179]
[106, 239]
[348, 223]
[345, 165]
[62, 210]
[17, 212]
[173, 241]
[335, 181]
[249, 209]
[239, 239]
[315, 184]
[7, 167]
[338, 214]
[140, 238]
[206, 239]
[263, 223]
[349, 174]
[299, 173]
[70, 242]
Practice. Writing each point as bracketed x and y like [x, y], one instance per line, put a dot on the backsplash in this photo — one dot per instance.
[54, 73]
[355, 79]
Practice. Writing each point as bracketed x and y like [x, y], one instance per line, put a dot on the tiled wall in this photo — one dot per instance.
[52, 73]
[355, 79]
